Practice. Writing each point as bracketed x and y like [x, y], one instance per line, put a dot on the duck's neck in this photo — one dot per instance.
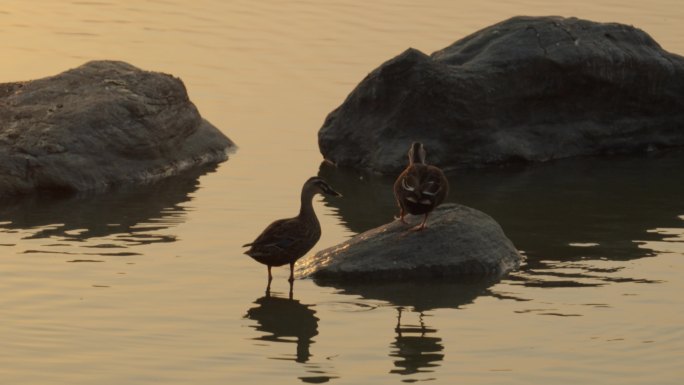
[416, 158]
[306, 209]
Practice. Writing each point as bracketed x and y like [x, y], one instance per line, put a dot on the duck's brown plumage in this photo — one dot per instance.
[286, 240]
[420, 187]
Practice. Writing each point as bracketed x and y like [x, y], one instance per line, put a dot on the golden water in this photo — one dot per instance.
[149, 285]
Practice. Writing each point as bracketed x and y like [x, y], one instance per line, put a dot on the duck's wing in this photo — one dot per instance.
[434, 185]
[408, 181]
[406, 187]
[279, 236]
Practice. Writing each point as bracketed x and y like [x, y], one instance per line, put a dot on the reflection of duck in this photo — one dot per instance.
[284, 318]
[420, 187]
[414, 348]
[286, 240]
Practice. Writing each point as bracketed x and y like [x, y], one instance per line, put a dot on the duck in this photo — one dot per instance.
[421, 187]
[286, 240]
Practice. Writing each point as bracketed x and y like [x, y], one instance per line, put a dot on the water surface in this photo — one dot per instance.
[149, 285]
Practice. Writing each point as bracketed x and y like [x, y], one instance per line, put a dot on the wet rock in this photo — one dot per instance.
[103, 124]
[525, 89]
[459, 241]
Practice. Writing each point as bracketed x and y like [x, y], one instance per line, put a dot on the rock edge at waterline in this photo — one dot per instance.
[100, 125]
[459, 242]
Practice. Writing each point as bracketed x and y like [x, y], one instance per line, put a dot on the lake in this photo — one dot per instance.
[148, 285]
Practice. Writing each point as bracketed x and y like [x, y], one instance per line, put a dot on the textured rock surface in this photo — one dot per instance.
[459, 241]
[102, 124]
[526, 89]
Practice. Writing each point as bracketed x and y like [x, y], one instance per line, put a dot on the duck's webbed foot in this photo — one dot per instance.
[401, 219]
[401, 216]
[422, 225]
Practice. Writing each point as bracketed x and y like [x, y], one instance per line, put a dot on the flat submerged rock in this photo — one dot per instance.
[100, 125]
[459, 242]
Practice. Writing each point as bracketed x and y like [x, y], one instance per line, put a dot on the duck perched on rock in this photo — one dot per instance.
[286, 240]
[420, 187]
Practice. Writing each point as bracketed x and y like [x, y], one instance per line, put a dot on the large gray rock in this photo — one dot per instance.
[526, 89]
[458, 242]
[102, 124]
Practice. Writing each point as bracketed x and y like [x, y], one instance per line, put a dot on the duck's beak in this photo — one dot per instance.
[331, 192]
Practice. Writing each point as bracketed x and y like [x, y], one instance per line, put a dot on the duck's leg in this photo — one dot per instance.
[270, 278]
[291, 279]
[402, 214]
[422, 224]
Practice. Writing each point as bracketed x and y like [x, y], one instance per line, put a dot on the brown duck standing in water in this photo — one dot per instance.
[286, 240]
[420, 187]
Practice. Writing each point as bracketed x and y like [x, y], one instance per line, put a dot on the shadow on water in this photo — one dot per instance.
[127, 216]
[286, 320]
[569, 210]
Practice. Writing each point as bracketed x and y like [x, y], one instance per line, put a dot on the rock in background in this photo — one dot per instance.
[526, 89]
[100, 125]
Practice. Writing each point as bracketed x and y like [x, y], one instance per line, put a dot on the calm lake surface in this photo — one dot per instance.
[149, 285]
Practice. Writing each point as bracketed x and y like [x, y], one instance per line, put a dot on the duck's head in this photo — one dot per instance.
[417, 153]
[319, 185]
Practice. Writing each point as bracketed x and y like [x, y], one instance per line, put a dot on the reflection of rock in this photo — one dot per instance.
[544, 208]
[283, 318]
[415, 349]
[525, 89]
[420, 296]
[133, 211]
[368, 199]
[100, 125]
[459, 241]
